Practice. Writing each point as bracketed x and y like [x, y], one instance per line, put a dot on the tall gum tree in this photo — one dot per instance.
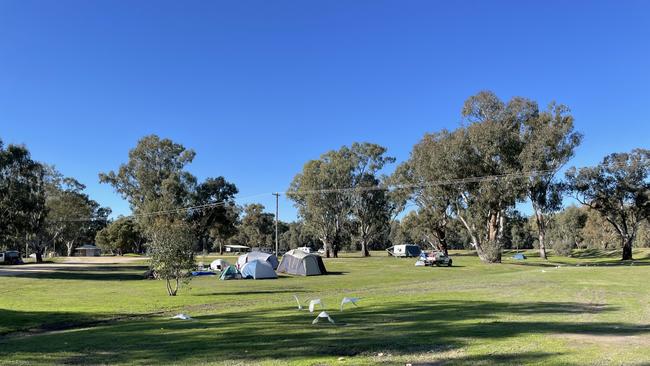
[485, 162]
[549, 141]
[371, 206]
[428, 165]
[619, 189]
[316, 193]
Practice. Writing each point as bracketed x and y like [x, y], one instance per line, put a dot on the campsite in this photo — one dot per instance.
[324, 183]
[587, 311]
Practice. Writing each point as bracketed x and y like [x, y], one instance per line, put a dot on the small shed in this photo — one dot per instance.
[237, 248]
[87, 250]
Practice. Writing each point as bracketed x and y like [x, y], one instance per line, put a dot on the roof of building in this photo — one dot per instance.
[86, 246]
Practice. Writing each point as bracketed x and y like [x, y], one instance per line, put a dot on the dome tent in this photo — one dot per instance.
[297, 262]
[249, 257]
[230, 273]
[219, 265]
[257, 270]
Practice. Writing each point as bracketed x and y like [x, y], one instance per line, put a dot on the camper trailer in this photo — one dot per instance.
[404, 250]
[10, 257]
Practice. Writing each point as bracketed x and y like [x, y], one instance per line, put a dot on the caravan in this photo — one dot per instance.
[404, 250]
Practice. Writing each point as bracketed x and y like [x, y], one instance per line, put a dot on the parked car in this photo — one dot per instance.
[10, 257]
[436, 259]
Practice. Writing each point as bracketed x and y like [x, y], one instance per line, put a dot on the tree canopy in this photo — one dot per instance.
[619, 189]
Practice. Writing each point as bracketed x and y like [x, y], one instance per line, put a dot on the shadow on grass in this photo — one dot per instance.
[495, 359]
[256, 292]
[608, 263]
[287, 335]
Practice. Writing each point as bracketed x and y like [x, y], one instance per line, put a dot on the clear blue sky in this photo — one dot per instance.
[259, 87]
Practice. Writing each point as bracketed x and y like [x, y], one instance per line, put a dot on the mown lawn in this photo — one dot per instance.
[592, 309]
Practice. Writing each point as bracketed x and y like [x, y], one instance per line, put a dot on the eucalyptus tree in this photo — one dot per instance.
[256, 227]
[421, 177]
[73, 217]
[321, 194]
[549, 141]
[619, 189]
[22, 196]
[154, 178]
[159, 189]
[121, 236]
[565, 229]
[486, 170]
[215, 218]
[371, 207]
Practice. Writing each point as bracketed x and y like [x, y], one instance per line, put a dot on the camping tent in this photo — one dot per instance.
[258, 269]
[219, 265]
[230, 273]
[249, 257]
[297, 262]
[519, 256]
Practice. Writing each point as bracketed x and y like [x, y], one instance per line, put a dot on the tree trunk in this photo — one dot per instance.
[171, 290]
[39, 256]
[326, 246]
[627, 247]
[541, 233]
[441, 235]
[542, 245]
[364, 249]
[489, 250]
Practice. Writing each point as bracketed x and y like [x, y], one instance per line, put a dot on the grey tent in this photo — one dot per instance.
[297, 262]
[252, 256]
[258, 269]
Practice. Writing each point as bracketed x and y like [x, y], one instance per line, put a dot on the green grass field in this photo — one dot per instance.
[592, 309]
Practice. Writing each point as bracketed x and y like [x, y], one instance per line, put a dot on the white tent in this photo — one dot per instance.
[249, 257]
[219, 265]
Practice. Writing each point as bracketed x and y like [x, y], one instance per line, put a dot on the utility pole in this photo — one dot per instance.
[277, 246]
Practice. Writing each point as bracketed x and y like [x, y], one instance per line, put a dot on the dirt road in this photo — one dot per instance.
[65, 264]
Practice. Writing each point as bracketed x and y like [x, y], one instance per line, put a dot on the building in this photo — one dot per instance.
[237, 248]
[87, 250]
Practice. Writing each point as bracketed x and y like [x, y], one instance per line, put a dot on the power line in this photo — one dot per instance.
[446, 182]
[456, 181]
[172, 211]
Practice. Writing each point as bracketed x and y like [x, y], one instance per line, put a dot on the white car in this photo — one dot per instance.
[305, 249]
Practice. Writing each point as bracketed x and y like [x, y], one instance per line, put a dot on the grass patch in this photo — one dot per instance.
[587, 309]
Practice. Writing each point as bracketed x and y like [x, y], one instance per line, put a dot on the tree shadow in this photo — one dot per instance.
[609, 263]
[286, 334]
[494, 359]
[256, 292]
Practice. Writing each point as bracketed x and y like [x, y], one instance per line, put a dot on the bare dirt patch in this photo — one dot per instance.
[606, 340]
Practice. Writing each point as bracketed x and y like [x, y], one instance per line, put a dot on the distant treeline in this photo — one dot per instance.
[458, 189]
